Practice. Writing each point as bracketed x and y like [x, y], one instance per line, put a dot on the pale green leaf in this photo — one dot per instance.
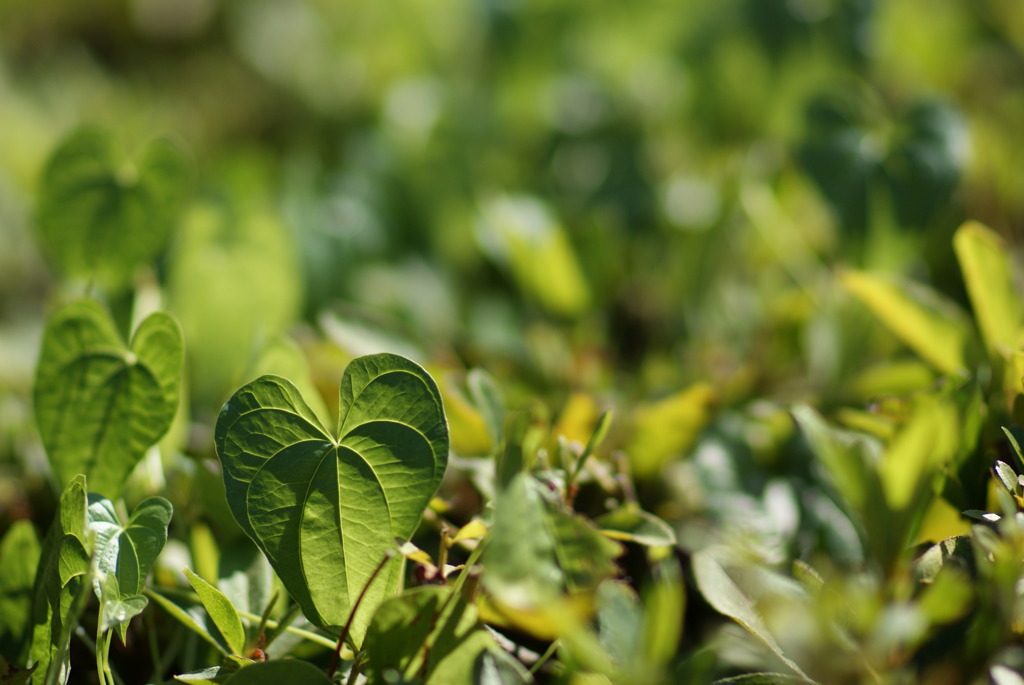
[221, 610]
[101, 216]
[620, 620]
[728, 599]
[99, 404]
[930, 326]
[985, 262]
[324, 509]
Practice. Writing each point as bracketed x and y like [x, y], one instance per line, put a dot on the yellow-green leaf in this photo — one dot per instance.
[926, 323]
[985, 262]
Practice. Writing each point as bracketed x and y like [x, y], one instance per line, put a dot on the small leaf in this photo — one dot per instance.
[727, 599]
[222, 611]
[929, 325]
[325, 510]
[632, 524]
[100, 405]
[1006, 476]
[127, 552]
[100, 218]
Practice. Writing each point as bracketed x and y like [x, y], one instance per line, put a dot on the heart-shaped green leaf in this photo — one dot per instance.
[326, 509]
[100, 217]
[100, 405]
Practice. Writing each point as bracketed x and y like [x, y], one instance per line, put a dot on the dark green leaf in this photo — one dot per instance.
[100, 405]
[325, 510]
[100, 217]
[19, 559]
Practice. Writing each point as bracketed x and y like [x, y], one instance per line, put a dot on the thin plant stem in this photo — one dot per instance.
[154, 648]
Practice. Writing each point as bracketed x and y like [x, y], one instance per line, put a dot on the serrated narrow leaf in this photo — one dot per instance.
[100, 405]
[324, 509]
[221, 610]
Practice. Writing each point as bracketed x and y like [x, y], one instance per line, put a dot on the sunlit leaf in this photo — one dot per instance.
[100, 216]
[985, 262]
[522, 234]
[221, 610]
[932, 327]
[668, 428]
[99, 404]
[325, 510]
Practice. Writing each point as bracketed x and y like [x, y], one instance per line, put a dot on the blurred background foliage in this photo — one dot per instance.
[640, 207]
